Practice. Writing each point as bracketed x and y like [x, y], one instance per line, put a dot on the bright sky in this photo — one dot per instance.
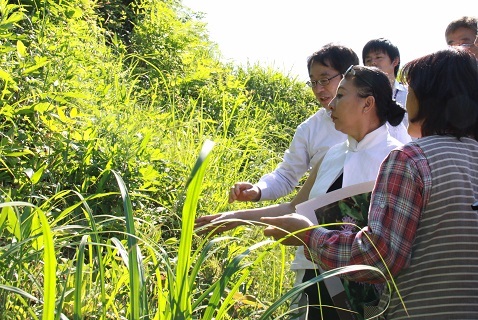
[283, 33]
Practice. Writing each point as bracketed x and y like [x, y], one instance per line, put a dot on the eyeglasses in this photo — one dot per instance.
[323, 82]
[352, 71]
[464, 45]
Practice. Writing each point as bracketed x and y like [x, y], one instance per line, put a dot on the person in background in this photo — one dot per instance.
[313, 137]
[383, 54]
[422, 230]
[463, 32]
[361, 108]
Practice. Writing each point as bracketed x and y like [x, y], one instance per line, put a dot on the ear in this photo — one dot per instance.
[369, 104]
[395, 62]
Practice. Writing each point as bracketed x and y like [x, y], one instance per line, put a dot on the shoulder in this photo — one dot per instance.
[317, 120]
[406, 161]
[392, 141]
[410, 152]
[442, 146]
[339, 146]
[318, 116]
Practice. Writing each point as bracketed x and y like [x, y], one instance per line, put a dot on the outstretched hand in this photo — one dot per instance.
[216, 223]
[283, 226]
[244, 191]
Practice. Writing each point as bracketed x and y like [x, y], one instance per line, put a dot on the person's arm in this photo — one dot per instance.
[312, 139]
[310, 142]
[281, 226]
[232, 219]
[245, 191]
[304, 192]
[285, 177]
[229, 220]
[398, 199]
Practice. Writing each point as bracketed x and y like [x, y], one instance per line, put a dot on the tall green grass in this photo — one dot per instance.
[39, 236]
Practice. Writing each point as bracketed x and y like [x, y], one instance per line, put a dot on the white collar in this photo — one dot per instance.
[370, 139]
[398, 86]
[358, 161]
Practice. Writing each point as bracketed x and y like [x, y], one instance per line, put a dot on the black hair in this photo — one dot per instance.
[335, 56]
[382, 45]
[463, 22]
[445, 84]
[371, 81]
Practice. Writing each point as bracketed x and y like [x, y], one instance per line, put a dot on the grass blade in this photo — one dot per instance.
[134, 267]
[182, 294]
[49, 269]
[78, 279]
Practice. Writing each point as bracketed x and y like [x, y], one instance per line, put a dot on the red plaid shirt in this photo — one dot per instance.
[401, 192]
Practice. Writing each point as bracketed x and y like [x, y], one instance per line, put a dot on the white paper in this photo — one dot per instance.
[334, 284]
[308, 207]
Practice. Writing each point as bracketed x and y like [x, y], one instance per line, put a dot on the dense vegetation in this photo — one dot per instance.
[104, 109]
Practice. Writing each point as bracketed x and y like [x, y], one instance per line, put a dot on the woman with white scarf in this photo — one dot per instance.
[362, 106]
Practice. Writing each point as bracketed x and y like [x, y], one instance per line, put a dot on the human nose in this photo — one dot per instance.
[318, 87]
[332, 104]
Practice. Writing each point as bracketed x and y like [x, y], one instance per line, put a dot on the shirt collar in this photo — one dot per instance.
[368, 141]
[398, 86]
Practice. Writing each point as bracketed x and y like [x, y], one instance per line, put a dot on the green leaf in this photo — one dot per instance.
[136, 276]
[42, 107]
[49, 269]
[35, 229]
[4, 216]
[19, 153]
[182, 294]
[39, 63]
[14, 224]
[37, 175]
[19, 291]
[11, 20]
[6, 77]
[79, 278]
[21, 49]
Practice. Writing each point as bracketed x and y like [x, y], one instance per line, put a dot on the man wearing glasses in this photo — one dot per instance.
[313, 137]
[462, 32]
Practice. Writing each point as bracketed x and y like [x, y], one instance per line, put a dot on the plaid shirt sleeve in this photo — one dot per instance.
[401, 192]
